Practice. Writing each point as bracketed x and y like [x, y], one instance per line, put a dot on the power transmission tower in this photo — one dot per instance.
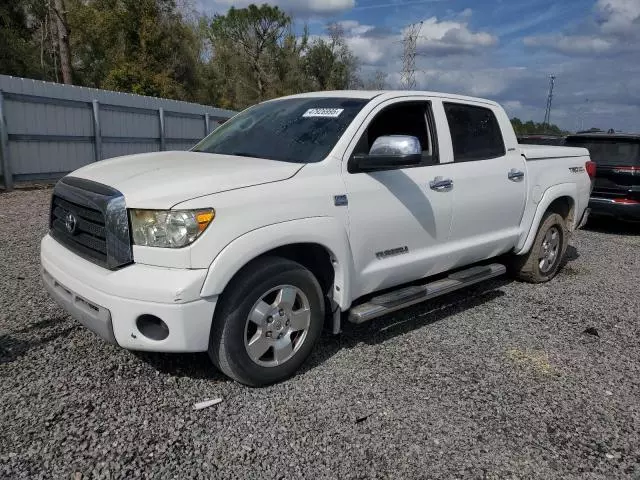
[547, 114]
[409, 42]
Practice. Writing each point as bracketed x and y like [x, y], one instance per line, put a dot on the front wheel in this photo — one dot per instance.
[544, 259]
[269, 319]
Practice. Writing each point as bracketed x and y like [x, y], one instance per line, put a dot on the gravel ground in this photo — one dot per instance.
[498, 381]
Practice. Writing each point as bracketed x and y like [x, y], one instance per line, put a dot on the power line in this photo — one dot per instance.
[547, 113]
[410, 42]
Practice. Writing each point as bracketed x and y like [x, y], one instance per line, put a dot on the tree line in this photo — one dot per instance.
[533, 128]
[158, 48]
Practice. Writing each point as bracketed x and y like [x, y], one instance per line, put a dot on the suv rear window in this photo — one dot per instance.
[609, 151]
[475, 132]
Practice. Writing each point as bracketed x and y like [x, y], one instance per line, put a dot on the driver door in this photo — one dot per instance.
[398, 223]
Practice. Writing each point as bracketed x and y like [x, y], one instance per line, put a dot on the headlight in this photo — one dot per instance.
[168, 228]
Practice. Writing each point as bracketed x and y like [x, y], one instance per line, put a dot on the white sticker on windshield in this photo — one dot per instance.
[323, 113]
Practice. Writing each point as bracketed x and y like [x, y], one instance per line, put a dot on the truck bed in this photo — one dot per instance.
[541, 152]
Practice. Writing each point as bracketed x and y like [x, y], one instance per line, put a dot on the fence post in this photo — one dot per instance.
[163, 146]
[4, 148]
[206, 124]
[97, 134]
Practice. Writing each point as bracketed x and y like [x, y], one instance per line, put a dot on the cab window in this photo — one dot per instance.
[475, 132]
[408, 118]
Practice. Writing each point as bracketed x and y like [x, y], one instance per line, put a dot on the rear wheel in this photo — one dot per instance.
[270, 317]
[544, 259]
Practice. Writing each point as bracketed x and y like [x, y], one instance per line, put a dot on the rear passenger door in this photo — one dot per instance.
[490, 185]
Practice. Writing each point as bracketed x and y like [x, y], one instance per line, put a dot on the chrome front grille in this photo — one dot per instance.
[91, 220]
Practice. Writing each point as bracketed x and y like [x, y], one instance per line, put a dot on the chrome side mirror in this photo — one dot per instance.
[396, 145]
[390, 152]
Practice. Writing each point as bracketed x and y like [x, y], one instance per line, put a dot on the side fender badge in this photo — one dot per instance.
[340, 200]
[392, 252]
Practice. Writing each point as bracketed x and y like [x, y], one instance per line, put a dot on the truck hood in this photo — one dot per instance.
[162, 179]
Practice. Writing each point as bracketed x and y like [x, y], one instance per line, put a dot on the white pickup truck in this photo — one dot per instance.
[304, 211]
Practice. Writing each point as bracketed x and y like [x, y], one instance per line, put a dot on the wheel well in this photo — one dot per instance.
[313, 257]
[566, 208]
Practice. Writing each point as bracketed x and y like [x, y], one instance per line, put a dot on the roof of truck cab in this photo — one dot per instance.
[370, 94]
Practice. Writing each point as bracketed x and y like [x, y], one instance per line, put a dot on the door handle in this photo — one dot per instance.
[441, 184]
[515, 175]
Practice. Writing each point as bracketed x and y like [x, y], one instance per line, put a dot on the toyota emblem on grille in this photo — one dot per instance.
[70, 223]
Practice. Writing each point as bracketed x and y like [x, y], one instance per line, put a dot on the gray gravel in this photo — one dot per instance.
[497, 381]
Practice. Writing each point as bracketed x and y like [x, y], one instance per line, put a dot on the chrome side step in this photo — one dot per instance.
[404, 297]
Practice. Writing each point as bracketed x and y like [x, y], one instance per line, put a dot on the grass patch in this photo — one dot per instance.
[537, 360]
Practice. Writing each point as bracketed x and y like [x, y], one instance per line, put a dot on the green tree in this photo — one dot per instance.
[248, 42]
[290, 65]
[19, 52]
[533, 128]
[330, 63]
[139, 46]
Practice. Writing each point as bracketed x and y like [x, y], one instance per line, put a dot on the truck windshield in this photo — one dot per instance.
[300, 130]
[611, 151]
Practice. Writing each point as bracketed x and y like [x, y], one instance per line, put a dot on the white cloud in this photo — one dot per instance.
[370, 51]
[618, 17]
[613, 27]
[479, 82]
[299, 7]
[355, 28]
[573, 44]
[376, 47]
[447, 37]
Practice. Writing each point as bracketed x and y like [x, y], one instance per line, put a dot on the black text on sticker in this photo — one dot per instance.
[323, 112]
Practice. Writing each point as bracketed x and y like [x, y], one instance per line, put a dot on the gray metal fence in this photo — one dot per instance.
[48, 129]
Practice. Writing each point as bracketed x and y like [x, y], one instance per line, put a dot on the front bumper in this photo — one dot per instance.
[109, 302]
[607, 207]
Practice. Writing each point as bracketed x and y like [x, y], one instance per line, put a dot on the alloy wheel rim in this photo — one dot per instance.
[277, 326]
[550, 249]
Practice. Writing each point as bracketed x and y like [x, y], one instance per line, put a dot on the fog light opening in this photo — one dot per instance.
[152, 327]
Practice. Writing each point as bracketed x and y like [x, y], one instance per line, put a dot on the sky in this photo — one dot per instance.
[504, 50]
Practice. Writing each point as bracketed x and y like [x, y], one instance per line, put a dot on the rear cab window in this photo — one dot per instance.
[475, 132]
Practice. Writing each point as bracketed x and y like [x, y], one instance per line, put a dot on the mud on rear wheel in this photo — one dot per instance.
[545, 258]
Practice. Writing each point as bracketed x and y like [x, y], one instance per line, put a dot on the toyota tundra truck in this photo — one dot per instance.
[304, 212]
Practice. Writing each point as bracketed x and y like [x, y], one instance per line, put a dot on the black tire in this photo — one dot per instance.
[528, 267]
[227, 347]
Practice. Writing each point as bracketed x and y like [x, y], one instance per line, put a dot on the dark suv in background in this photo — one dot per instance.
[617, 187]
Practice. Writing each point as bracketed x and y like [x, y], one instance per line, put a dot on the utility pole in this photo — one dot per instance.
[409, 43]
[547, 114]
